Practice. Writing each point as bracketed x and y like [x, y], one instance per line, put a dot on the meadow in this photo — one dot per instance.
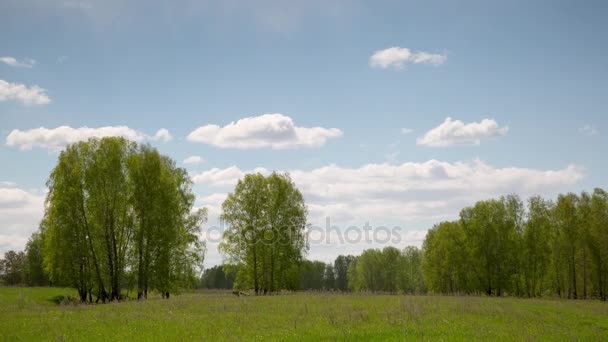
[39, 314]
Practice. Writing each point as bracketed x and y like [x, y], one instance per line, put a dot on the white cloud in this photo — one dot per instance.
[407, 131]
[398, 57]
[13, 62]
[276, 131]
[193, 160]
[22, 93]
[407, 192]
[588, 130]
[162, 134]
[456, 132]
[20, 213]
[222, 177]
[57, 138]
[412, 196]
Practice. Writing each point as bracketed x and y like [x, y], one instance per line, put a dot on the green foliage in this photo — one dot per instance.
[341, 266]
[499, 247]
[387, 270]
[114, 206]
[265, 238]
[12, 268]
[34, 264]
[28, 314]
[217, 277]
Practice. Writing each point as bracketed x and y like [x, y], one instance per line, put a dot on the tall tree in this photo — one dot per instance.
[265, 237]
[536, 247]
[104, 195]
[598, 242]
[445, 259]
[567, 224]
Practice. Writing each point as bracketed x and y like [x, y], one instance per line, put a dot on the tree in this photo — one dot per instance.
[411, 279]
[536, 248]
[598, 241]
[105, 197]
[312, 275]
[491, 234]
[445, 259]
[329, 278]
[567, 226]
[217, 277]
[341, 266]
[165, 248]
[34, 272]
[266, 218]
[12, 268]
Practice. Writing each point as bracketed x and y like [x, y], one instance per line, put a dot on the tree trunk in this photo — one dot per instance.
[255, 271]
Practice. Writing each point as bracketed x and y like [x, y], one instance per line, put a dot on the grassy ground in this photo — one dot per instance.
[33, 314]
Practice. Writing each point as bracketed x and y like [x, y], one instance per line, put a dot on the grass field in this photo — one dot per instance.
[33, 314]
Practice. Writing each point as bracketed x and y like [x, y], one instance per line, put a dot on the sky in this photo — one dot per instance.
[390, 116]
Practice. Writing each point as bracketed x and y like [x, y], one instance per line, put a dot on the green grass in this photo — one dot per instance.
[31, 314]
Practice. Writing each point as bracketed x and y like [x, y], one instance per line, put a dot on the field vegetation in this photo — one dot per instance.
[34, 314]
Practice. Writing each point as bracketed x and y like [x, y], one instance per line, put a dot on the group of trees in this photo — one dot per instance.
[265, 238]
[24, 267]
[118, 216]
[388, 270]
[503, 246]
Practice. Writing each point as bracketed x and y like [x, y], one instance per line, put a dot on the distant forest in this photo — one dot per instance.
[497, 247]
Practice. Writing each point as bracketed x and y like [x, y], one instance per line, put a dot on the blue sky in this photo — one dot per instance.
[534, 70]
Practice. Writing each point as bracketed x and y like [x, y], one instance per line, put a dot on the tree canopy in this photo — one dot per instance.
[115, 207]
[265, 237]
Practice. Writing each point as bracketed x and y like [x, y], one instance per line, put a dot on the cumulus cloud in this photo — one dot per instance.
[22, 93]
[276, 131]
[20, 213]
[57, 138]
[412, 196]
[405, 192]
[13, 62]
[227, 176]
[398, 57]
[162, 134]
[456, 132]
[193, 160]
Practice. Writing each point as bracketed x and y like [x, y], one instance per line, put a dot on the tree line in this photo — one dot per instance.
[386, 270]
[497, 247]
[503, 246]
[119, 215]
